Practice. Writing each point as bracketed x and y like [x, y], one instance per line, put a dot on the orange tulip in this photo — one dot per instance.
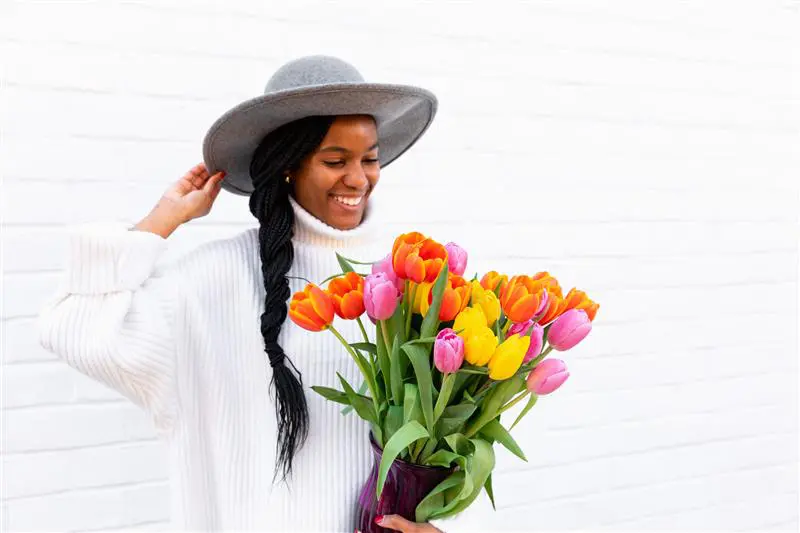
[492, 279]
[455, 298]
[311, 309]
[575, 299]
[400, 250]
[419, 262]
[549, 282]
[521, 298]
[347, 294]
[579, 300]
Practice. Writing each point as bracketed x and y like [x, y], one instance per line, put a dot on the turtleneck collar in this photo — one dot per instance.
[309, 229]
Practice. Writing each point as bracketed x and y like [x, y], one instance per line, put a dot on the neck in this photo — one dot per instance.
[311, 230]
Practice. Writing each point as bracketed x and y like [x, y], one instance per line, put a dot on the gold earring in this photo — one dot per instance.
[288, 178]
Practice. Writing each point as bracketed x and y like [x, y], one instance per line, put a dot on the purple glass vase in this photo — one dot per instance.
[406, 485]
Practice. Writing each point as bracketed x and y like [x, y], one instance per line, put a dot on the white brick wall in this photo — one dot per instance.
[646, 151]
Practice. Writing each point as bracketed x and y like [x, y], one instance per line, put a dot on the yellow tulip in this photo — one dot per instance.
[507, 358]
[471, 318]
[421, 294]
[487, 301]
[479, 345]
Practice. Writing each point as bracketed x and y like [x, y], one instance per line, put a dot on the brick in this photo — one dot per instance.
[113, 507]
[28, 475]
[47, 383]
[60, 427]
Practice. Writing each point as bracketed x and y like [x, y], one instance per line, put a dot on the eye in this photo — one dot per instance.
[371, 161]
[333, 163]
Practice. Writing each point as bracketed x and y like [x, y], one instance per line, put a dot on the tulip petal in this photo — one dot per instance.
[523, 309]
[321, 303]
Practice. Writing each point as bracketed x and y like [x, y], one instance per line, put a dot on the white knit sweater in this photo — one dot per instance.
[182, 340]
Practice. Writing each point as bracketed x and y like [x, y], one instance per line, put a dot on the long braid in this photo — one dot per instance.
[280, 151]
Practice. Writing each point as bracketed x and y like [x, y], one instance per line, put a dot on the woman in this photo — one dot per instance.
[250, 447]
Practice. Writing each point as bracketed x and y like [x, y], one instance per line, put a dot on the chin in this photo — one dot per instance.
[346, 222]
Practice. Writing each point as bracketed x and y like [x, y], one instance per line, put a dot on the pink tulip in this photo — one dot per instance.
[380, 296]
[548, 375]
[520, 328]
[448, 351]
[542, 307]
[456, 258]
[537, 341]
[385, 266]
[537, 337]
[569, 329]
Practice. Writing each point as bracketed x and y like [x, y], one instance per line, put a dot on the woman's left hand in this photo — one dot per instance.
[398, 523]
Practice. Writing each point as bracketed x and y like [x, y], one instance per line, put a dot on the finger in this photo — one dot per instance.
[198, 169]
[216, 191]
[212, 184]
[199, 180]
[396, 522]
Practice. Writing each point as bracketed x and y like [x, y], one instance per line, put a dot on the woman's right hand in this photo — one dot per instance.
[190, 197]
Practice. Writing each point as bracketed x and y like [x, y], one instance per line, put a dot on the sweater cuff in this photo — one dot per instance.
[110, 257]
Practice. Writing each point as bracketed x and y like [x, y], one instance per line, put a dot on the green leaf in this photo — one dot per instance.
[460, 444]
[383, 360]
[495, 430]
[454, 417]
[344, 263]
[397, 324]
[412, 409]
[361, 390]
[395, 375]
[426, 340]
[404, 437]
[528, 406]
[331, 394]
[393, 422]
[473, 371]
[431, 321]
[363, 405]
[461, 383]
[479, 467]
[444, 396]
[434, 501]
[420, 360]
[354, 262]
[445, 458]
[495, 399]
[366, 347]
[490, 491]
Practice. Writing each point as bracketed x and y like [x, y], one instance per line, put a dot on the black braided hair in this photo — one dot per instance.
[282, 151]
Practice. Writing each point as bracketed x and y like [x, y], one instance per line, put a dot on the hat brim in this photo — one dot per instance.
[402, 113]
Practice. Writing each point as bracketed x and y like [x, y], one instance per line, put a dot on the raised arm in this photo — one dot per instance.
[113, 316]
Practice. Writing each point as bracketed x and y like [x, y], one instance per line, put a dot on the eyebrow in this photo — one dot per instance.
[344, 150]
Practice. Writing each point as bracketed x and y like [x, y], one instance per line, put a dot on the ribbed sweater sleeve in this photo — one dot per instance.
[112, 317]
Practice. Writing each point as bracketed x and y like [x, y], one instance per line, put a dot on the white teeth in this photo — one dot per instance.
[348, 201]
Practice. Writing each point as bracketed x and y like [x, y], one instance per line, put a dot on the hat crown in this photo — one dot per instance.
[312, 70]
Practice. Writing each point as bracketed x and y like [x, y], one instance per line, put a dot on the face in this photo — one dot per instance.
[335, 181]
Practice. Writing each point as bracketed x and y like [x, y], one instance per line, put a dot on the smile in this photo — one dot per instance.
[349, 201]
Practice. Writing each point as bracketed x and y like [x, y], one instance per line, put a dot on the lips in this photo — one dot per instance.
[350, 201]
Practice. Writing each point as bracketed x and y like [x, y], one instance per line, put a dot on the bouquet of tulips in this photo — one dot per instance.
[449, 357]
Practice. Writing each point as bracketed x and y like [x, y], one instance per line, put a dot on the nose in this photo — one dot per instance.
[356, 178]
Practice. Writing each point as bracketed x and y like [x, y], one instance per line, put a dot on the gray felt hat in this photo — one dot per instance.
[315, 85]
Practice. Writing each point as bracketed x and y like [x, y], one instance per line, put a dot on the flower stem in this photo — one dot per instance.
[513, 402]
[368, 377]
[412, 287]
[363, 331]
